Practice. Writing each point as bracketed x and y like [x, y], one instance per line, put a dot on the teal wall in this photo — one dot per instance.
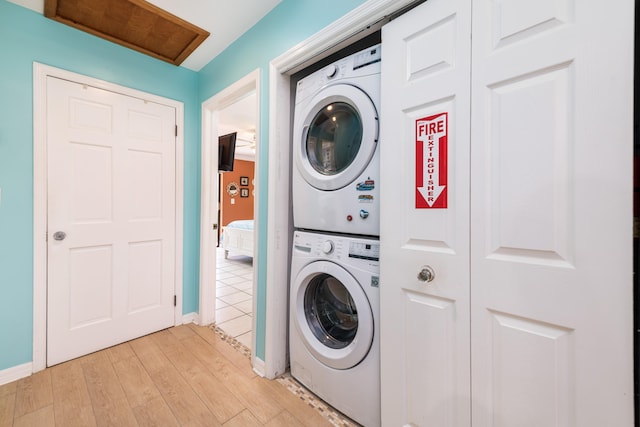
[27, 37]
[285, 26]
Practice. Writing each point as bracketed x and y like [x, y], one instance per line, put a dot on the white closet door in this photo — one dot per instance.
[425, 216]
[551, 217]
[111, 191]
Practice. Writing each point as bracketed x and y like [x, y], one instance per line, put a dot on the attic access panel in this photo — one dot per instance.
[136, 24]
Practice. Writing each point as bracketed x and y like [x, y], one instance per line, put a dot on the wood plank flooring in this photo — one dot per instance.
[183, 376]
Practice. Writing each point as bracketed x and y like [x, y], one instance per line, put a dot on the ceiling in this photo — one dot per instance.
[225, 20]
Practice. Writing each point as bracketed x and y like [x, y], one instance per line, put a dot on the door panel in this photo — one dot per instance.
[551, 213]
[425, 325]
[145, 272]
[530, 356]
[91, 199]
[111, 189]
[434, 370]
[529, 168]
[90, 285]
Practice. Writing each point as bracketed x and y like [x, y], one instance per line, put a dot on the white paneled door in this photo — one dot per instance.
[424, 225]
[551, 214]
[111, 218]
[506, 222]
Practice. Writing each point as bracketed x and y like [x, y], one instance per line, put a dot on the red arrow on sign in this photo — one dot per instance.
[431, 161]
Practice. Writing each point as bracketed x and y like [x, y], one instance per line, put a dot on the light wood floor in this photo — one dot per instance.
[183, 376]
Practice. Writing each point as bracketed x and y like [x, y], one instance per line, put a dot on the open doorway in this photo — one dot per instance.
[236, 207]
[228, 257]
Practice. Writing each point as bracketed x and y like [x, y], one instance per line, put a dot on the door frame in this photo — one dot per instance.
[40, 190]
[355, 25]
[209, 194]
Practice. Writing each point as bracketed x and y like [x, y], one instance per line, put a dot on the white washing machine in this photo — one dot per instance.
[334, 323]
[335, 147]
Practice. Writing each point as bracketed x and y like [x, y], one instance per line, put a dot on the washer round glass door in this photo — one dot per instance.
[332, 315]
[337, 137]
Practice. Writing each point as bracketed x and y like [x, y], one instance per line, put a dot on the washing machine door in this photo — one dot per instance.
[332, 314]
[336, 136]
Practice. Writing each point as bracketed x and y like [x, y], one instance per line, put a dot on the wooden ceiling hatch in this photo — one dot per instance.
[136, 24]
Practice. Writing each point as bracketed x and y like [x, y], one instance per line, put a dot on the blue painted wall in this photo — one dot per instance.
[27, 37]
[285, 26]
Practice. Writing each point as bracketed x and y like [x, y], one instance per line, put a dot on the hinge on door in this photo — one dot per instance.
[176, 130]
[215, 226]
[175, 300]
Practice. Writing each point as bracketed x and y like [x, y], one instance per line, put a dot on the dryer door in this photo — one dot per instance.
[335, 136]
[332, 314]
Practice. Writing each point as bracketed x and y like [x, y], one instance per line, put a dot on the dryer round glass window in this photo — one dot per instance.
[334, 138]
[332, 314]
[330, 311]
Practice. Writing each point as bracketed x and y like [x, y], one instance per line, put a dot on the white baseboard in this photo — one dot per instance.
[191, 318]
[15, 373]
[258, 366]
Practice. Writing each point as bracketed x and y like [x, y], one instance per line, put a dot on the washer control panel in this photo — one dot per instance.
[339, 247]
[364, 250]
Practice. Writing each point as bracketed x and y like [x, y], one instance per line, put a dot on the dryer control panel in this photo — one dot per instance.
[367, 56]
[364, 63]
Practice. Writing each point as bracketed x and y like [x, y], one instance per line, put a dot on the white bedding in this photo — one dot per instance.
[237, 237]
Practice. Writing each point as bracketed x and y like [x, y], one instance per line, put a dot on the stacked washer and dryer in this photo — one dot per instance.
[334, 295]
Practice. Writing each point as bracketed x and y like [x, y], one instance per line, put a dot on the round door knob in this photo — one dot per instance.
[327, 247]
[59, 235]
[427, 274]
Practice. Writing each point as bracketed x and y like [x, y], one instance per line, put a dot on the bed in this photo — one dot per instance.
[237, 237]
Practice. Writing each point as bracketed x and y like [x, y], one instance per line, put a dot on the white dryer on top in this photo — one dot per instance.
[335, 147]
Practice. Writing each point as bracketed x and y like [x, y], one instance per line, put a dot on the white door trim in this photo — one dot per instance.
[348, 29]
[209, 193]
[40, 189]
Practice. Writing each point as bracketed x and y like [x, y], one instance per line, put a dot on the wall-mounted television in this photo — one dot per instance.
[226, 152]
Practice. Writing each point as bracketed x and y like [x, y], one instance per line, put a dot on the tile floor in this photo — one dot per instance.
[234, 296]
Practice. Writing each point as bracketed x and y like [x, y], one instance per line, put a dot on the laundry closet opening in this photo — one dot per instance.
[333, 291]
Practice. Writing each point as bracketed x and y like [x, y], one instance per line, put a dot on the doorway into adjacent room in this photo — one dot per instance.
[229, 201]
[236, 195]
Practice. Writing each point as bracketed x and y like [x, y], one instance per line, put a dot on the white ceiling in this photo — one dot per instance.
[225, 20]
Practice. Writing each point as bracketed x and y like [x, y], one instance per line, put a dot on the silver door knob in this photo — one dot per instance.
[427, 274]
[59, 235]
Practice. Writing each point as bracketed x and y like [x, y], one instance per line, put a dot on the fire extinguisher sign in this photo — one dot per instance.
[431, 161]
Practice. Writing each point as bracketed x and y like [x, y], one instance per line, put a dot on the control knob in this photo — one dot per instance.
[327, 247]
